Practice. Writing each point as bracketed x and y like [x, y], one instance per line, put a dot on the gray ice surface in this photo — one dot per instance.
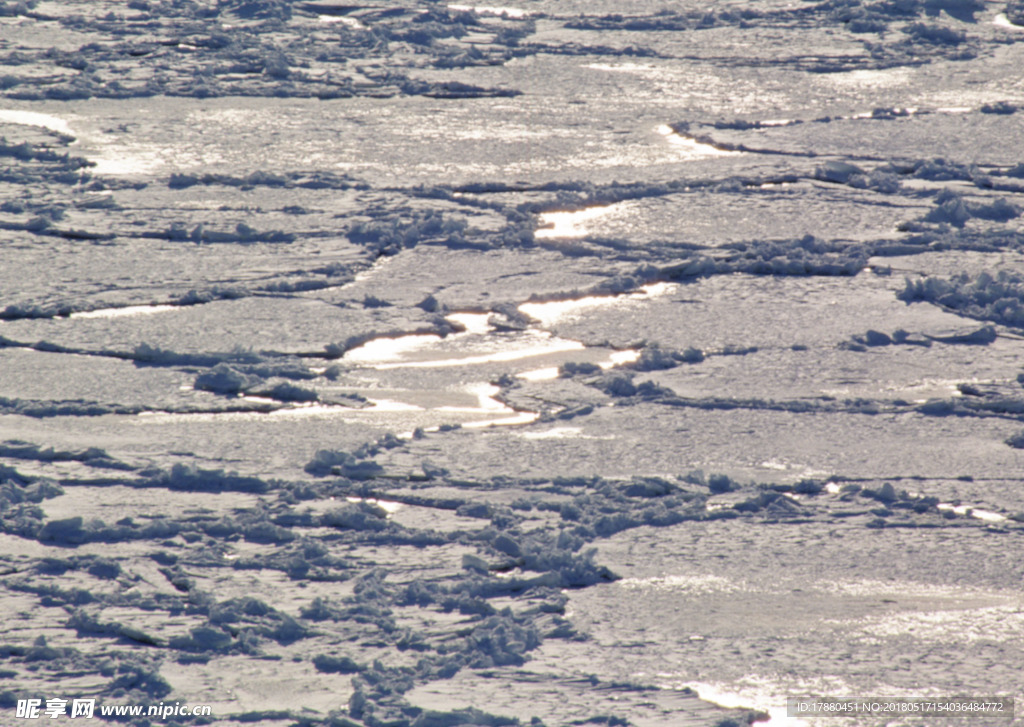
[415, 364]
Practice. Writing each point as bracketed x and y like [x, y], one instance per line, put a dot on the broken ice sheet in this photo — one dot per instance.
[674, 219]
[669, 439]
[867, 616]
[305, 194]
[739, 312]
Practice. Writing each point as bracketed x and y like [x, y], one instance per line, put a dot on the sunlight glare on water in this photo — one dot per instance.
[380, 350]
[541, 345]
[754, 699]
[869, 78]
[688, 148]
[573, 223]
[120, 161]
[550, 312]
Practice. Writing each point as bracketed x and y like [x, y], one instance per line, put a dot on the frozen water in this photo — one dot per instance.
[559, 363]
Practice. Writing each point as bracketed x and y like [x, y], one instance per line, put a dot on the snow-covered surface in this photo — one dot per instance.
[423, 364]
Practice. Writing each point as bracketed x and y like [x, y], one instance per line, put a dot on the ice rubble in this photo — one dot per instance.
[226, 51]
[538, 562]
[997, 298]
[970, 336]
[225, 379]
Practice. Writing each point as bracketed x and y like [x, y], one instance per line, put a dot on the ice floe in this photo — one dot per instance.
[420, 407]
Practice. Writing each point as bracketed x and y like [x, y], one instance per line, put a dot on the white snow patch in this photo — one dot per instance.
[656, 289]
[491, 10]
[562, 433]
[429, 350]
[259, 399]
[874, 79]
[131, 310]
[119, 161]
[393, 405]
[472, 322]
[620, 357]
[33, 118]
[388, 506]
[381, 350]
[1004, 22]
[543, 345]
[545, 374]
[350, 22]
[986, 515]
